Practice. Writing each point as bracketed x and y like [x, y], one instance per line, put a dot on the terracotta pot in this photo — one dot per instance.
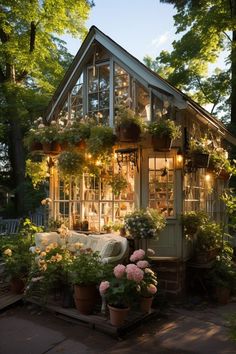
[161, 143]
[85, 298]
[222, 295]
[17, 285]
[129, 133]
[52, 148]
[146, 304]
[118, 315]
[36, 146]
[81, 145]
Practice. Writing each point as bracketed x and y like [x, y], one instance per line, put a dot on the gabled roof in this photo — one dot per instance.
[155, 81]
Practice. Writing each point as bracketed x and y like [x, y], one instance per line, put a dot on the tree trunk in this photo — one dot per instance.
[16, 150]
[233, 67]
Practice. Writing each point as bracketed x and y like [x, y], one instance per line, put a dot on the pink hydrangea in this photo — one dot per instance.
[134, 273]
[137, 255]
[103, 287]
[119, 271]
[142, 264]
[152, 289]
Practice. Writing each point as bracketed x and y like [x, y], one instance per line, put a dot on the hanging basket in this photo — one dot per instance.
[161, 143]
[129, 133]
[200, 160]
[36, 146]
[52, 148]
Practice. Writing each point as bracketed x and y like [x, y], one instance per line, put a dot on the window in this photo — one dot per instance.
[76, 100]
[143, 103]
[161, 185]
[121, 84]
[90, 198]
[98, 93]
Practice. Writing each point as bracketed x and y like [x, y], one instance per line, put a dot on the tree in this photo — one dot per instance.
[209, 28]
[32, 62]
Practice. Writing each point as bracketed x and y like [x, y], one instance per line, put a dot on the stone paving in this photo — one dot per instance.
[28, 330]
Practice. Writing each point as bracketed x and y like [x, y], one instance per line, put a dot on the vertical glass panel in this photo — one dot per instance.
[121, 84]
[143, 103]
[161, 187]
[104, 77]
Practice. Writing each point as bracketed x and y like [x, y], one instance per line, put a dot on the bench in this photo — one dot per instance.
[9, 226]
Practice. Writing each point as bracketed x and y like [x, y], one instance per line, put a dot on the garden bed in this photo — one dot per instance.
[98, 321]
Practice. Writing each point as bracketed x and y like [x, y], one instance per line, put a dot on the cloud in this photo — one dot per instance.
[163, 38]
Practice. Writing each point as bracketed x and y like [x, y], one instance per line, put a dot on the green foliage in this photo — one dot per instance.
[144, 223]
[101, 141]
[70, 163]
[74, 133]
[118, 183]
[126, 117]
[165, 127]
[87, 268]
[221, 276]
[191, 221]
[209, 236]
[37, 171]
[15, 251]
[205, 28]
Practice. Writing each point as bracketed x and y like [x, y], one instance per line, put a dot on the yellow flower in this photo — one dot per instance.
[37, 250]
[44, 267]
[58, 257]
[42, 254]
[8, 252]
[55, 244]
[78, 245]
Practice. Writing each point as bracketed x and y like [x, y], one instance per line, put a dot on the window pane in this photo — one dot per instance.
[93, 102]
[104, 77]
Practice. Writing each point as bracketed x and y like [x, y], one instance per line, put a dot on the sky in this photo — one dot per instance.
[142, 27]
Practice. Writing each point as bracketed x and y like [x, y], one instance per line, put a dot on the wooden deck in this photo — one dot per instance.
[99, 321]
[9, 299]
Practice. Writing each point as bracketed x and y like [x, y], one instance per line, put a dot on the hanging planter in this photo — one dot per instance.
[128, 125]
[164, 132]
[71, 163]
[199, 160]
[52, 148]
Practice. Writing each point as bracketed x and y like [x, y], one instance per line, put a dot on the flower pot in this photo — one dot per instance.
[118, 315]
[203, 257]
[161, 143]
[85, 298]
[146, 304]
[17, 285]
[129, 133]
[80, 145]
[36, 146]
[52, 148]
[200, 160]
[222, 295]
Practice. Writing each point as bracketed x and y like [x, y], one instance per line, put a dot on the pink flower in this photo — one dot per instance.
[119, 271]
[134, 273]
[103, 287]
[152, 289]
[137, 255]
[142, 264]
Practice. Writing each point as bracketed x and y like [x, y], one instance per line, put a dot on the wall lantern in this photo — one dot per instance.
[127, 155]
[179, 160]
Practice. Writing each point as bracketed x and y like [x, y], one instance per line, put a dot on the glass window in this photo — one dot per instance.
[143, 103]
[161, 185]
[76, 100]
[90, 199]
[98, 93]
[121, 84]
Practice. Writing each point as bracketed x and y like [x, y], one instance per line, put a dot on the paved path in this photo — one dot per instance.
[25, 330]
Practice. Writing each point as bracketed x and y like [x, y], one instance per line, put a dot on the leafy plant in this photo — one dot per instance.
[87, 268]
[209, 236]
[199, 146]
[164, 127]
[71, 163]
[74, 133]
[126, 117]
[192, 220]
[101, 141]
[37, 171]
[118, 183]
[144, 223]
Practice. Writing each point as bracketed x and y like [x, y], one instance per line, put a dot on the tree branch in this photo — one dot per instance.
[32, 36]
[3, 36]
[2, 76]
[226, 35]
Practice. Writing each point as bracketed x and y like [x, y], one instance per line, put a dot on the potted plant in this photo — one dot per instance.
[86, 272]
[70, 163]
[74, 134]
[221, 279]
[144, 224]
[199, 152]
[100, 141]
[118, 183]
[129, 126]
[191, 222]
[208, 241]
[148, 285]
[17, 257]
[48, 137]
[164, 132]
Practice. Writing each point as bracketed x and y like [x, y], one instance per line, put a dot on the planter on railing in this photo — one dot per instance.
[52, 148]
[161, 143]
[129, 133]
